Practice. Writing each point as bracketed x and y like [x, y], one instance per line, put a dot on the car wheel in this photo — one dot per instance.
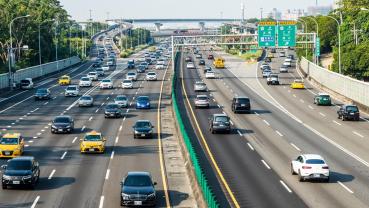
[301, 178]
[343, 118]
[327, 180]
[4, 186]
[292, 171]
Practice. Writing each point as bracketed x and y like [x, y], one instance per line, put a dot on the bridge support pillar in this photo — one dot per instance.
[157, 26]
[202, 26]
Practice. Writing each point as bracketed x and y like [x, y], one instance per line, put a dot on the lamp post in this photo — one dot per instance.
[10, 50]
[317, 35]
[304, 27]
[339, 42]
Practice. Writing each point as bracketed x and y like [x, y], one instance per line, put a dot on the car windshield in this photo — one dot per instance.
[243, 100]
[202, 98]
[143, 99]
[9, 141]
[25, 82]
[71, 88]
[352, 109]
[151, 73]
[64, 78]
[138, 180]
[131, 74]
[106, 80]
[112, 106]
[61, 120]
[41, 91]
[85, 79]
[121, 98]
[127, 81]
[143, 124]
[325, 96]
[92, 138]
[315, 161]
[221, 119]
[92, 73]
[19, 165]
[210, 72]
[86, 98]
[130, 62]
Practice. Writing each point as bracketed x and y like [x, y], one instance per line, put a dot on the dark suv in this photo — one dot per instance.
[21, 171]
[42, 94]
[142, 129]
[113, 110]
[241, 104]
[349, 112]
[219, 123]
[62, 124]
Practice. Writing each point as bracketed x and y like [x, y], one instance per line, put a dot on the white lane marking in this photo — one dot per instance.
[46, 103]
[39, 133]
[62, 157]
[15, 104]
[250, 146]
[8, 126]
[20, 118]
[294, 95]
[311, 107]
[345, 187]
[357, 134]
[231, 122]
[27, 145]
[239, 132]
[107, 174]
[101, 204]
[124, 118]
[35, 202]
[96, 110]
[337, 123]
[301, 100]
[74, 140]
[112, 155]
[116, 140]
[120, 128]
[90, 118]
[102, 103]
[218, 106]
[279, 133]
[51, 175]
[30, 141]
[256, 113]
[266, 165]
[285, 186]
[46, 127]
[83, 128]
[266, 122]
[296, 147]
[127, 110]
[322, 114]
[13, 123]
[35, 137]
[107, 98]
[42, 130]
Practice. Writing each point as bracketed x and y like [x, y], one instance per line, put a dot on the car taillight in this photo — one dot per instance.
[306, 167]
[325, 167]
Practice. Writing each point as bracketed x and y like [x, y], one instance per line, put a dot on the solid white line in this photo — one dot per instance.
[74, 140]
[336, 123]
[294, 146]
[238, 131]
[120, 128]
[107, 174]
[101, 204]
[266, 122]
[322, 114]
[116, 140]
[112, 155]
[62, 157]
[51, 174]
[357, 134]
[279, 133]
[311, 107]
[35, 202]
[83, 128]
[266, 165]
[250, 146]
[90, 118]
[345, 187]
[285, 186]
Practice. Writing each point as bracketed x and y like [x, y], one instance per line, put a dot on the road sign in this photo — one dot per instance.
[266, 34]
[317, 47]
[287, 34]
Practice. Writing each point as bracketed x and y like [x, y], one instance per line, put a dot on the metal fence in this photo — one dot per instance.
[38, 71]
[357, 91]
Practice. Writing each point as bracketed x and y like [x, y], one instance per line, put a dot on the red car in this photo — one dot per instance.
[210, 57]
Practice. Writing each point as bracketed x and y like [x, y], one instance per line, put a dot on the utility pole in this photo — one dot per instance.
[242, 12]
[261, 14]
[91, 22]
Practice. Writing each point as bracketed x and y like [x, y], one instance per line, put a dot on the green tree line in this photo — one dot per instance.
[132, 39]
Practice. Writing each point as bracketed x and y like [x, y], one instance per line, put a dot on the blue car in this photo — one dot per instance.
[143, 102]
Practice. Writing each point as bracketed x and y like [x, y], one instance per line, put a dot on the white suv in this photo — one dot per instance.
[85, 82]
[310, 166]
[71, 90]
[131, 76]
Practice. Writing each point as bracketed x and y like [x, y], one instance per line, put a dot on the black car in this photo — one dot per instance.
[113, 110]
[202, 62]
[21, 171]
[142, 129]
[207, 68]
[219, 123]
[290, 56]
[62, 124]
[138, 189]
[241, 104]
[141, 69]
[42, 94]
[349, 112]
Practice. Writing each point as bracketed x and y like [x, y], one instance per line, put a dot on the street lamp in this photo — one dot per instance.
[39, 43]
[339, 43]
[317, 35]
[304, 27]
[10, 49]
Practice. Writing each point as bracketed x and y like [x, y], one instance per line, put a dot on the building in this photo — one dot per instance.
[275, 14]
[293, 14]
[319, 10]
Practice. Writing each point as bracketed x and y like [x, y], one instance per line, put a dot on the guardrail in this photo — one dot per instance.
[38, 71]
[200, 176]
[355, 90]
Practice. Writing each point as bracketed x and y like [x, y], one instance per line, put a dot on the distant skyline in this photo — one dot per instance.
[145, 9]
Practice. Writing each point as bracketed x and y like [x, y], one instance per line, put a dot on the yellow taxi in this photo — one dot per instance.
[11, 145]
[65, 80]
[298, 84]
[93, 142]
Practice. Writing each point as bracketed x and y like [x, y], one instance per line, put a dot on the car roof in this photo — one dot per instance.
[201, 96]
[63, 116]
[140, 173]
[323, 93]
[143, 121]
[219, 114]
[11, 135]
[24, 158]
[93, 132]
[312, 156]
[241, 97]
[350, 105]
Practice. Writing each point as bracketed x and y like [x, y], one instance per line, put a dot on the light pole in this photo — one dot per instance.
[339, 43]
[39, 43]
[304, 27]
[317, 33]
[10, 50]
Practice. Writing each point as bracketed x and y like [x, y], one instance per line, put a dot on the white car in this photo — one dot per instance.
[190, 65]
[93, 76]
[263, 65]
[161, 62]
[283, 69]
[127, 84]
[159, 66]
[85, 82]
[86, 100]
[288, 60]
[266, 73]
[210, 75]
[71, 90]
[151, 76]
[287, 64]
[121, 100]
[105, 68]
[202, 101]
[106, 84]
[131, 76]
[310, 166]
[200, 86]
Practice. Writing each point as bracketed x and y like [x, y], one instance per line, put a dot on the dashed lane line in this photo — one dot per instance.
[51, 175]
[250, 146]
[265, 164]
[345, 187]
[63, 156]
[285, 186]
[35, 202]
[296, 147]
[357, 134]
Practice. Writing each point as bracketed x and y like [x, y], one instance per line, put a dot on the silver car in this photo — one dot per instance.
[202, 101]
[121, 100]
[86, 100]
[200, 86]
[71, 90]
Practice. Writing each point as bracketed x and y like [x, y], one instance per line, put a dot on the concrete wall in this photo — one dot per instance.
[38, 71]
[355, 90]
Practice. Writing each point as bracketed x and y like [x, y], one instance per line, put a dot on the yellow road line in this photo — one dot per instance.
[161, 157]
[233, 198]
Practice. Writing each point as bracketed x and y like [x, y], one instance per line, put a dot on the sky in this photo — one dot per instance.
[146, 9]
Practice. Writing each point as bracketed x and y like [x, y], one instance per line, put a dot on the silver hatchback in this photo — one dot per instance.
[200, 86]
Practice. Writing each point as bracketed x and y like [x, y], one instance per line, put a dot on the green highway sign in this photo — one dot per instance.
[317, 47]
[266, 34]
[287, 34]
